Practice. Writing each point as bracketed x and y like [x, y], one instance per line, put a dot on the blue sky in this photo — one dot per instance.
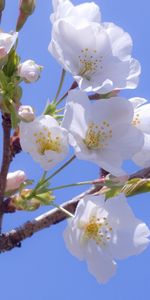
[43, 269]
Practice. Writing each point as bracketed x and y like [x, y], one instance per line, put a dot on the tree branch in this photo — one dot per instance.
[13, 239]
[6, 124]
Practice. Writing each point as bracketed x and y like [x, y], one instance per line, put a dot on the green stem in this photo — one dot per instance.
[73, 86]
[63, 210]
[71, 185]
[60, 169]
[60, 84]
[61, 99]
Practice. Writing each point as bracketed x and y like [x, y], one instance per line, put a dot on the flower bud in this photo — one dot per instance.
[7, 41]
[26, 113]
[14, 180]
[29, 71]
[23, 201]
[20, 202]
[2, 6]
[26, 8]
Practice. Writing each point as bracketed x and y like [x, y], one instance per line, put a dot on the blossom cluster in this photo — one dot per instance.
[100, 125]
[107, 131]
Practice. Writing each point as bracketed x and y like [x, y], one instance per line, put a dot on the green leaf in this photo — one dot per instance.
[12, 63]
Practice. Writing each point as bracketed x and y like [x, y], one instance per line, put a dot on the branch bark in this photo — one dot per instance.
[13, 239]
[6, 159]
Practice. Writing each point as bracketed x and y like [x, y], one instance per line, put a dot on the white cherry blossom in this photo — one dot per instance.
[97, 55]
[7, 41]
[44, 140]
[87, 11]
[101, 131]
[103, 231]
[142, 121]
[29, 71]
[14, 180]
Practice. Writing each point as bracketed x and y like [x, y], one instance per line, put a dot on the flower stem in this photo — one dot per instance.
[73, 86]
[63, 210]
[71, 185]
[60, 84]
[60, 169]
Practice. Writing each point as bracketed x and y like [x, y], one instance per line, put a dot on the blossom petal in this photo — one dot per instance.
[129, 237]
[101, 266]
[142, 158]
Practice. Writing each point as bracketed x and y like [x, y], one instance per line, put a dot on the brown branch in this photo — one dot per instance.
[144, 173]
[13, 239]
[6, 124]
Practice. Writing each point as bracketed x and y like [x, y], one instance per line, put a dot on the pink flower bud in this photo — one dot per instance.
[29, 71]
[14, 179]
[26, 113]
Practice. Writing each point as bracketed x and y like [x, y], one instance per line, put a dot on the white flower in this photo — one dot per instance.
[102, 231]
[7, 41]
[14, 180]
[97, 55]
[142, 121]
[29, 71]
[76, 14]
[56, 3]
[101, 131]
[26, 113]
[45, 140]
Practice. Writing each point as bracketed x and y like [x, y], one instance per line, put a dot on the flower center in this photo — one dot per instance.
[88, 63]
[97, 136]
[98, 230]
[136, 119]
[45, 142]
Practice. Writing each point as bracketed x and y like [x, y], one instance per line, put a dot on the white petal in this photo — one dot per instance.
[133, 77]
[136, 101]
[129, 233]
[143, 113]
[72, 238]
[100, 265]
[89, 11]
[76, 112]
[142, 158]
[127, 140]
[115, 110]
[120, 40]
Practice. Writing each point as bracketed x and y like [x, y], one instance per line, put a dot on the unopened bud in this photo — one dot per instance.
[26, 113]
[25, 200]
[29, 71]
[20, 202]
[26, 8]
[14, 180]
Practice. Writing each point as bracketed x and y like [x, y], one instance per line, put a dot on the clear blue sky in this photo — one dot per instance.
[43, 269]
